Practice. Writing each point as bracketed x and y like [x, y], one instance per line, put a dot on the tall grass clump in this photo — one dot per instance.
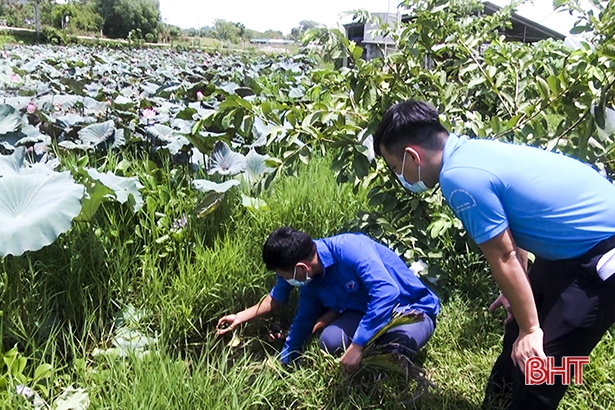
[209, 279]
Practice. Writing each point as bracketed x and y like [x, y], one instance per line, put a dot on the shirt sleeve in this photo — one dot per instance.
[301, 329]
[281, 290]
[382, 289]
[474, 195]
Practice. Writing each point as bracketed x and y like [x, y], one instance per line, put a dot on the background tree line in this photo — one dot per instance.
[115, 18]
[128, 18]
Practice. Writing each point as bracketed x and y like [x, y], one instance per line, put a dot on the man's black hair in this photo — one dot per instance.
[285, 247]
[409, 122]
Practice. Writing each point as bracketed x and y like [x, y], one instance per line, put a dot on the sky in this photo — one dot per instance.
[283, 15]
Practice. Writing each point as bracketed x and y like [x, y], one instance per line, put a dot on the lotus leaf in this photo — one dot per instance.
[28, 135]
[159, 131]
[124, 189]
[177, 144]
[205, 185]
[149, 88]
[297, 92]
[101, 134]
[10, 119]
[261, 131]
[198, 159]
[211, 202]
[35, 209]
[93, 89]
[72, 399]
[244, 91]
[64, 102]
[10, 164]
[18, 103]
[123, 102]
[226, 162]
[182, 126]
[229, 87]
[253, 204]
[70, 120]
[72, 146]
[95, 195]
[256, 167]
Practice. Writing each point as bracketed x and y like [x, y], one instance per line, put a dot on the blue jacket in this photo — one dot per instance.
[358, 274]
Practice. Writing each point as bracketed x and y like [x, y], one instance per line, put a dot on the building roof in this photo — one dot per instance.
[523, 29]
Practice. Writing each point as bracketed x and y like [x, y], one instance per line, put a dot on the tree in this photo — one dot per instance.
[226, 30]
[82, 16]
[304, 25]
[273, 34]
[174, 33]
[123, 16]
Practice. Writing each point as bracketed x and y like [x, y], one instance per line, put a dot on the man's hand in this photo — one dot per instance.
[527, 345]
[351, 360]
[227, 323]
[501, 301]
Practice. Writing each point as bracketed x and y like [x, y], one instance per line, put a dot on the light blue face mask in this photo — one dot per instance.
[418, 187]
[297, 283]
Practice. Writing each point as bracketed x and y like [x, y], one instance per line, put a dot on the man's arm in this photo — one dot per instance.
[325, 320]
[230, 322]
[301, 328]
[511, 277]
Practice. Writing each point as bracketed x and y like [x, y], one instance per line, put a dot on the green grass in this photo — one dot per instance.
[61, 303]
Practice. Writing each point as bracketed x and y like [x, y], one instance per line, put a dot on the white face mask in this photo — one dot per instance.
[298, 283]
[418, 187]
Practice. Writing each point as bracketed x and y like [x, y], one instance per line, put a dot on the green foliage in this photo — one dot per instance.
[123, 16]
[304, 25]
[448, 54]
[52, 36]
[227, 31]
[82, 17]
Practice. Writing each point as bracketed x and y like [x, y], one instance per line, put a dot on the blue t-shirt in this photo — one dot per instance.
[555, 206]
[362, 275]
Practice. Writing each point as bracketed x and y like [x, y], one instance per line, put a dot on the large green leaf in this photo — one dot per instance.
[256, 167]
[205, 185]
[159, 131]
[10, 119]
[10, 164]
[210, 203]
[95, 134]
[102, 134]
[35, 209]
[224, 161]
[124, 189]
[95, 195]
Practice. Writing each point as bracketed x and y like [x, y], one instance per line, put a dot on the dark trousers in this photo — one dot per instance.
[575, 309]
[336, 337]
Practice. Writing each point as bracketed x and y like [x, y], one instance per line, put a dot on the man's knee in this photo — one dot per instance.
[333, 340]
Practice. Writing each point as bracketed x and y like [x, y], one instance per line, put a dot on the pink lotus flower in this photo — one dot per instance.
[31, 108]
[199, 96]
[149, 113]
[14, 78]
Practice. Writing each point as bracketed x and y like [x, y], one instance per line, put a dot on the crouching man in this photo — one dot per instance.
[360, 279]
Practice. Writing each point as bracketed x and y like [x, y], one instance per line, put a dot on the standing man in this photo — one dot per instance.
[362, 280]
[510, 198]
